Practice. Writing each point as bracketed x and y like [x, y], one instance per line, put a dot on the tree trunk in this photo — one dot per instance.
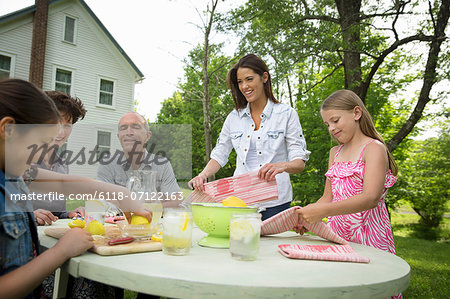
[290, 92]
[428, 78]
[349, 11]
[206, 97]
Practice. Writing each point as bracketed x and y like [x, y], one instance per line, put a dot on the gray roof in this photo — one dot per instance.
[31, 9]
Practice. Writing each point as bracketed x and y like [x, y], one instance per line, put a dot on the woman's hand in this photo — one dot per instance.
[198, 183]
[314, 212]
[140, 212]
[270, 170]
[44, 217]
[74, 242]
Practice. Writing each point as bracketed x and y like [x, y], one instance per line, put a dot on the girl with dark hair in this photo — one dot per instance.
[22, 103]
[28, 118]
[266, 135]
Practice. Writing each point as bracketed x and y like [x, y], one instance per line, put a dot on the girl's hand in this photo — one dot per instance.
[44, 217]
[313, 213]
[270, 170]
[198, 183]
[300, 229]
[74, 242]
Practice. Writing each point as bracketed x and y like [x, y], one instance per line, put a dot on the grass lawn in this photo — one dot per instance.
[429, 259]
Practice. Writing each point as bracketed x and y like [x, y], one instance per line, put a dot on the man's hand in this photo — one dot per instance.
[44, 217]
[143, 212]
[76, 212]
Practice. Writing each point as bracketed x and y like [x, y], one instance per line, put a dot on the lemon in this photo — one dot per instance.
[233, 201]
[77, 223]
[157, 237]
[241, 229]
[95, 228]
[186, 221]
[136, 219]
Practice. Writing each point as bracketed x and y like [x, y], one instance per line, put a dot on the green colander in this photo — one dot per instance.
[214, 219]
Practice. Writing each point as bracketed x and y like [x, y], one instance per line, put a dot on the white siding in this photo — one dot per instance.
[15, 38]
[93, 56]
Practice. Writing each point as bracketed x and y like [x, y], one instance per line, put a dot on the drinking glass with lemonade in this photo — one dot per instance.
[177, 231]
[245, 232]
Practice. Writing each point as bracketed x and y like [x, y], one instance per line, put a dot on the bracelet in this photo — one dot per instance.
[30, 174]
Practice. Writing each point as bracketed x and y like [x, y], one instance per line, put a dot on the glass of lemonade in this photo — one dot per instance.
[177, 231]
[95, 209]
[244, 236]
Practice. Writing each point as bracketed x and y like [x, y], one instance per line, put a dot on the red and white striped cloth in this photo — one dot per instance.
[289, 219]
[342, 253]
[247, 187]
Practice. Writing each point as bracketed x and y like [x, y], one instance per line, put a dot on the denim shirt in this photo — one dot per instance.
[279, 139]
[16, 246]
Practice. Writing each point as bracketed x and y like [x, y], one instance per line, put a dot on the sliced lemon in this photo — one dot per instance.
[136, 219]
[157, 237]
[233, 201]
[95, 228]
[77, 223]
[241, 229]
[186, 221]
[97, 237]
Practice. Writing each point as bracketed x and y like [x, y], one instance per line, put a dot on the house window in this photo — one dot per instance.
[5, 66]
[69, 29]
[103, 143]
[106, 92]
[63, 80]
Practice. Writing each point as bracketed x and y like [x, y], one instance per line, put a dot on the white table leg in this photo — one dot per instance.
[61, 279]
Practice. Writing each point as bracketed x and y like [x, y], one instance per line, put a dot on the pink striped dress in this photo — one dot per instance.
[371, 227]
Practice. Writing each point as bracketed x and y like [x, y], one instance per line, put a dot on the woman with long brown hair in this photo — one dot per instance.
[266, 135]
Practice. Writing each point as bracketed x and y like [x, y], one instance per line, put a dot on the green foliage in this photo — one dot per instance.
[426, 178]
[173, 141]
[428, 259]
[308, 186]
[185, 106]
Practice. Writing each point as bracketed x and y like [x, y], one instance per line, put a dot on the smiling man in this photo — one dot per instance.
[133, 135]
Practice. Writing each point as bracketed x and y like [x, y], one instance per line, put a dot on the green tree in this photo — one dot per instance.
[186, 106]
[317, 47]
[426, 178]
[361, 37]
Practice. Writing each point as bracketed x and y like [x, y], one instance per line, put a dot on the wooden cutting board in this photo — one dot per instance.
[101, 246]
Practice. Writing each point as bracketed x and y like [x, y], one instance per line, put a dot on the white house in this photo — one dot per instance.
[73, 53]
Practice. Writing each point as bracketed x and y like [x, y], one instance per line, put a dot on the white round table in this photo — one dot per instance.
[208, 272]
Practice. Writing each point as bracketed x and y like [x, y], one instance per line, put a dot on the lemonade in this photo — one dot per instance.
[244, 236]
[95, 210]
[157, 209]
[177, 234]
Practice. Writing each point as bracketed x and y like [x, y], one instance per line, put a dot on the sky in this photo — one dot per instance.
[156, 35]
